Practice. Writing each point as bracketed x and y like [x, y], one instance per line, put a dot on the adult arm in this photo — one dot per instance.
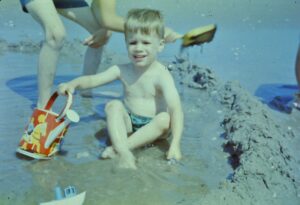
[105, 12]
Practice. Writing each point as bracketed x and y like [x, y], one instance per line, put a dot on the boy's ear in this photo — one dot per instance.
[161, 45]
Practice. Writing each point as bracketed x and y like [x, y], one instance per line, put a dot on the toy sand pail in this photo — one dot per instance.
[44, 133]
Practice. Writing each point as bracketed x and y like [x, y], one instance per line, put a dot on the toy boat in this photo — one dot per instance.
[71, 198]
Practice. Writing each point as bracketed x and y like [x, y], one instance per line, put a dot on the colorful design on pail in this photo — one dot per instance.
[46, 129]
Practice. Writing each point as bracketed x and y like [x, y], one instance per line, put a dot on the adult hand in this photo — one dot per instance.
[63, 88]
[98, 39]
[171, 36]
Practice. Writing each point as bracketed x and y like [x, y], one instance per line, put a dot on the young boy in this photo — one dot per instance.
[151, 106]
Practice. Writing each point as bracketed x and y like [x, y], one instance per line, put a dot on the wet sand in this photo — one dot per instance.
[236, 149]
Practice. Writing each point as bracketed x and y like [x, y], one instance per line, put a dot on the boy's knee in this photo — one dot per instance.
[114, 105]
[55, 37]
[163, 120]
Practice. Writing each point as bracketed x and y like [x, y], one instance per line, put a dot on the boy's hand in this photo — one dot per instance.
[174, 153]
[98, 39]
[63, 88]
[171, 36]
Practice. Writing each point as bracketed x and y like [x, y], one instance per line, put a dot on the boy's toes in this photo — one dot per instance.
[108, 153]
[127, 162]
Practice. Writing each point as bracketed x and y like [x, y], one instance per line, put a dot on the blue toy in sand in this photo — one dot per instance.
[67, 197]
[279, 97]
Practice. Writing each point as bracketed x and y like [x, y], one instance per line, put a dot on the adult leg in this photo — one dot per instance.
[44, 12]
[297, 66]
[119, 124]
[297, 69]
[84, 17]
[93, 55]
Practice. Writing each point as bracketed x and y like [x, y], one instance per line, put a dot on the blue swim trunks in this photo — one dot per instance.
[60, 4]
[138, 121]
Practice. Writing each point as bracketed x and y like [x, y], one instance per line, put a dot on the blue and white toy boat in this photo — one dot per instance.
[70, 197]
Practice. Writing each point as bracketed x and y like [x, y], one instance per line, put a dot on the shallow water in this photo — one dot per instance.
[26, 181]
[156, 182]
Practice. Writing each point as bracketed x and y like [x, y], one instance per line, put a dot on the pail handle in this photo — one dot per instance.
[66, 107]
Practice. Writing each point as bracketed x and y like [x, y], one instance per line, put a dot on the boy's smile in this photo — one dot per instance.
[143, 48]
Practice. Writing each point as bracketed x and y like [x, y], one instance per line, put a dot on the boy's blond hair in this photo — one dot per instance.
[144, 21]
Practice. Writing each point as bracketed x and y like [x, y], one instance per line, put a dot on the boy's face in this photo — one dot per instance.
[143, 49]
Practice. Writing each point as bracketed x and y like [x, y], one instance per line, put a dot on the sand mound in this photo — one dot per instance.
[264, 170]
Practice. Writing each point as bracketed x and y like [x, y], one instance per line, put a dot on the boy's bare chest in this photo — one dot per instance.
[141, 86]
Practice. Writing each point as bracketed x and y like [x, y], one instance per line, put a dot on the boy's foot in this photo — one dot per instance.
[199, 35]
[108, 153]
[127, 161]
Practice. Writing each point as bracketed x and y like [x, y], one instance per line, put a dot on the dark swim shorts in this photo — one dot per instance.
[60, 4]
[138, 121]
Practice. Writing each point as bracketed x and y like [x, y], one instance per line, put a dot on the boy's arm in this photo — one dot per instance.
[90, 81]
[172, 99]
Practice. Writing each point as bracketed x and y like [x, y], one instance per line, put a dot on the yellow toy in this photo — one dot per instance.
[199, 35]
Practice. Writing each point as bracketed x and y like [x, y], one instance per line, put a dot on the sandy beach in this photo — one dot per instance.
[237, 147]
